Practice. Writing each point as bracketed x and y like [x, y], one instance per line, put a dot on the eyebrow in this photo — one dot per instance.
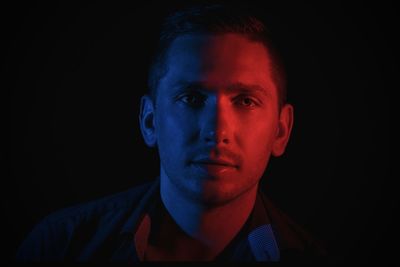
[235, 87]
[247, 88]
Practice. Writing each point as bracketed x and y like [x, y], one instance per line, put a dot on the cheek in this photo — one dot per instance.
[257, 142]
[173, 128]
[169, 142]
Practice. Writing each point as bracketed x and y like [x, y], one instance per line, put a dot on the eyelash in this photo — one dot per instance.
[199, 100]
[253, 103]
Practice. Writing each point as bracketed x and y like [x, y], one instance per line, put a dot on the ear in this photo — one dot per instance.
[146, 121]
[285, 125]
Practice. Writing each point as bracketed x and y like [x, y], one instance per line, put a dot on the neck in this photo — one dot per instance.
[212, 225]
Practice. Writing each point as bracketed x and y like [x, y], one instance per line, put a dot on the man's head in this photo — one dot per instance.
[214, 19]
[217, 109]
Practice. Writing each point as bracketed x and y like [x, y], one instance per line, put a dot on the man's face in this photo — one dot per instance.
[216, 115]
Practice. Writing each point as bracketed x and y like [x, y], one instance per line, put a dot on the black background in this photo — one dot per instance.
[73, 76]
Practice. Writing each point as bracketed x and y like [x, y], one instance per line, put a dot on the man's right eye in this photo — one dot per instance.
[192, 99]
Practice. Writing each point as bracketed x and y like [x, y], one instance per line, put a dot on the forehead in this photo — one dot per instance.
[218, 61]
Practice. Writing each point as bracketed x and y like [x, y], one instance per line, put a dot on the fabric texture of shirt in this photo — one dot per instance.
[107, 230]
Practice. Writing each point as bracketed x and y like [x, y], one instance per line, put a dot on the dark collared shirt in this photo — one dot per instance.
[106, 230]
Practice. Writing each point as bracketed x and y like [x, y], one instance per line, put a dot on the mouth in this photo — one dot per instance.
[215, 163]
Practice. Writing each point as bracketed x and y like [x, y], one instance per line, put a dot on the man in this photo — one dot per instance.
[216, 112]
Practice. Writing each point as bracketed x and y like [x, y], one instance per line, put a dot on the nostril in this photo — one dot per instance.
[210, 140]
[210, 136]
[213, 137]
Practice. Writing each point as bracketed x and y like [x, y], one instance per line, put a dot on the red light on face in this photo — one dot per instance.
[217, 114]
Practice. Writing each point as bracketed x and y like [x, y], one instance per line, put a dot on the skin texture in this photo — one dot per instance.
[216, 122]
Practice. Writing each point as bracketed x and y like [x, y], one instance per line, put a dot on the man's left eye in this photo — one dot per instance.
[246, 101]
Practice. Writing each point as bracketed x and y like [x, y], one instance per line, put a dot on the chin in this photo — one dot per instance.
[219, 193]
[213, 191]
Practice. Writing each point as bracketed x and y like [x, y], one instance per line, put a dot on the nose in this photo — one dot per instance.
[214, 136]
[217, 128]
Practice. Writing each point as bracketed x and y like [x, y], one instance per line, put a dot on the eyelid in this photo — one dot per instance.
[188, 93]
[194, 93]
[256, 101]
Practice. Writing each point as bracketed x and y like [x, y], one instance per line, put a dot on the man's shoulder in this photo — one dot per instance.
[118, 202]
[82, 230]
[292, 237]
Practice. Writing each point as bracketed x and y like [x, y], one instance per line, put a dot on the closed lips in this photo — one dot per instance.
[215, 162]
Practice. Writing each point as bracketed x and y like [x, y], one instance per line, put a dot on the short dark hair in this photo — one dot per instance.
[215, 19]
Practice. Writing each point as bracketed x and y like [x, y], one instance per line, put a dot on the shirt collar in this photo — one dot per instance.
[131, 225]
[257, 235]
